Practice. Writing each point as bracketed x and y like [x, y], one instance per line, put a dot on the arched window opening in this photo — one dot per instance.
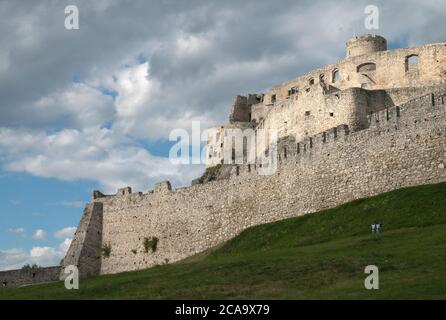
[412, 62]
[311, 81]
[366, 67]
[335, 76]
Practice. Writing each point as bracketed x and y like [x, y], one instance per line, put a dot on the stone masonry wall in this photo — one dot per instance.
[390, 72]
[85, 249]
[325, 97]
[22, 277]
[404, 146]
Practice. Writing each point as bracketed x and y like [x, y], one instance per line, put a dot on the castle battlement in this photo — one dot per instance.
[422, 109]
[370, 123]
[332, 95]
[426, 108]
[402, 146]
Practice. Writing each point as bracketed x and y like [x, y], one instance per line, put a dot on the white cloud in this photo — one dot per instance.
[190, 44]
[95, 154]
[65, 245]
[147, 110]
[18, 231]
[39, 234]
[65, 233]
[39, 252]
[11, 259]
[80, 106]
[135, 89]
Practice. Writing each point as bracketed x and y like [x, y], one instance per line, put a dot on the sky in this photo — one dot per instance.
[92, 109]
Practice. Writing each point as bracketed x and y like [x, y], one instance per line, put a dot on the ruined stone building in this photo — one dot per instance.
[373, 122]
[368, 80]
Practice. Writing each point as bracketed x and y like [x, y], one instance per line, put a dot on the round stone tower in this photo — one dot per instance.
[368, 43]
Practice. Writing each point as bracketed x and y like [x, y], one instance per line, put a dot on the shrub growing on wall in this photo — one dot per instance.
[30, 267]
[150, 244]
[210, 174]
[106, 250]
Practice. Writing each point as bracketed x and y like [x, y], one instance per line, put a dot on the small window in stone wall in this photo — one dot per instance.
[366, 67]
[307, 113]
[273, 98]
[335, 76]
[311, 81]
[4, 284]
[331, 114]
[412, 62]
[293, 90]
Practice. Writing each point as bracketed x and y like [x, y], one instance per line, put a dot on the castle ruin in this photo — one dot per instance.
[370, 79]
[371, 123]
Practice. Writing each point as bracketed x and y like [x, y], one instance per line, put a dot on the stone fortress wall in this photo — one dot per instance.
[371, 124]
[368, 124]
[402, 146]
[85, 253]
[22, 277]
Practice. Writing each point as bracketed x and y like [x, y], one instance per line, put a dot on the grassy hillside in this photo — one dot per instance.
[318, 256]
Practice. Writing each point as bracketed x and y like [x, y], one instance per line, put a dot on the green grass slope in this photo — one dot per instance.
[317, 256]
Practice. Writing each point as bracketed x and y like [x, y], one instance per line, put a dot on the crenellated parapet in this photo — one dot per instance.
[414, 111]
[401, 146]
[394, 118]
[338, 142]
[368, 124]
[369, 79]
